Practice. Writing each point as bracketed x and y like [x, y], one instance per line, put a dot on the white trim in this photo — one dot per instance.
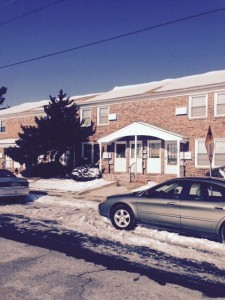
[196, 153]
[215, 103]
[172, 169]
[98, 110]
[189, 106]
[140, 128]
[149, 158]
[115, 158]
[135, 158]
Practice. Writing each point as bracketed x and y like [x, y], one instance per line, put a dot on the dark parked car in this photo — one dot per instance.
[189, 203]
[12, 186]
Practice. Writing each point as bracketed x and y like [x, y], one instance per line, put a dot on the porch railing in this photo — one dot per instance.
[132, 169]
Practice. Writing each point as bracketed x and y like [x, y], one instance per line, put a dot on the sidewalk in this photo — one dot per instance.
[96, 194]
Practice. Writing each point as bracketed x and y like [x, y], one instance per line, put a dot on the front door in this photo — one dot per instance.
[154, 157]
[171, 159]
[120, 157]
[139, 156]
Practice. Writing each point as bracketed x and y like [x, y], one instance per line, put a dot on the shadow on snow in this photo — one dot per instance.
[42, 233]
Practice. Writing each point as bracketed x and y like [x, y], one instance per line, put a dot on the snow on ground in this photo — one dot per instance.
[67, 185]
[181, 254]
[82, 216]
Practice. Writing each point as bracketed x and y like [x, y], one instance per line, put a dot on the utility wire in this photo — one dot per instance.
[30, 13]
[113, 38]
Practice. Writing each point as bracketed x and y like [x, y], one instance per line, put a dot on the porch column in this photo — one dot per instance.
[135, 153]
[100, 154]
[178, 158]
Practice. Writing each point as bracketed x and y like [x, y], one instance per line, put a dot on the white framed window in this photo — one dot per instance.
[2, 126]
[86, 116]
[103, 115]
[201, 156]
[219, 153]
[219, 104]
[198, 106]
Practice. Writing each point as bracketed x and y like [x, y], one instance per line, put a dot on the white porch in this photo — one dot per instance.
[144, 149]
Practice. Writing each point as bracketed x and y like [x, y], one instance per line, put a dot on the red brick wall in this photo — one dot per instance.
[13, 126]
[161, 113]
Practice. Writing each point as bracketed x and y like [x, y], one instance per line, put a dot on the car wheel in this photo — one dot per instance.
[222, 233]
[122, 217]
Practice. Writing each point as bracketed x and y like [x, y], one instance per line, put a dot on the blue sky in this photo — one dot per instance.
[184, 48]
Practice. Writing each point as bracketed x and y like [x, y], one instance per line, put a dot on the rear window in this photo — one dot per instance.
[206, 192]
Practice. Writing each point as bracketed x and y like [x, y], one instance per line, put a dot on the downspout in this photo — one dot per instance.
[135, 154]
[178, 158]
[100, 154]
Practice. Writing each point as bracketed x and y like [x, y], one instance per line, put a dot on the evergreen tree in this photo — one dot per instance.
[55, 133]
[3, 91]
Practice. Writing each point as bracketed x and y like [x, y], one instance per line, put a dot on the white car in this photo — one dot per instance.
[12, 186]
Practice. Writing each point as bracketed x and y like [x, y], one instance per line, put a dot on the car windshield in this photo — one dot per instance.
[6, 174]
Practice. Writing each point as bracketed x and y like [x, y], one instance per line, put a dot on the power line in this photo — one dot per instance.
[113, 38]
[30, 13]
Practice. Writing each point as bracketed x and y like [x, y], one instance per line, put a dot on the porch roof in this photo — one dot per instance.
[140, 128]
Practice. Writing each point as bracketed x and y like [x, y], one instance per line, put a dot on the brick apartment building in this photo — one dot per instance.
[150, 131]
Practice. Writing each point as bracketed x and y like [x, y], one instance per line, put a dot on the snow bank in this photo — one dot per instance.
[67, 185]
[82, 216]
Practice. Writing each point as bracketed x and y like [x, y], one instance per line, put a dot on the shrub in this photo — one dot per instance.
[46, 170]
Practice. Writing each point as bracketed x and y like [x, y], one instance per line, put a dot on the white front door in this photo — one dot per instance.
[120, 157]
[154, 157]
[171, 159]
[139, 156]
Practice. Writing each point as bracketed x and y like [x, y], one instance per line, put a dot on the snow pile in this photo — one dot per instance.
[67, 185]
[82, 216]
[85, 173]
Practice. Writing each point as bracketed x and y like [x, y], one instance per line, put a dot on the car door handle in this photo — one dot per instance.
[171, 203]
[219, 207]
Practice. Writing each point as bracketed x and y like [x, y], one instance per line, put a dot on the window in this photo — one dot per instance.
[120, 150]
[198, 106]
[215, 193]
[154, 150]
[171, 153]
[103, 115]
[206, 192]
[219, 155]
[90, 153]
[201, 156]
[170, 190]
[2, 126]
[219, 104]
[132, 150]
[86, 116]
[195, 192]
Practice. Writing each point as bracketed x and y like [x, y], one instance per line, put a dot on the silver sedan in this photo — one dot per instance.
[191, 203]
[12, 186]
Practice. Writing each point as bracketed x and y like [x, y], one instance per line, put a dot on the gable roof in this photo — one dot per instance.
[141, 128]
[38, 105]
[163, 86]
